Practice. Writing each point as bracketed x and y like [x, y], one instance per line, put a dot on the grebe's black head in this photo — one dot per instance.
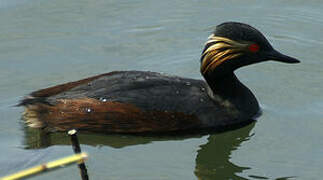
[233, 45]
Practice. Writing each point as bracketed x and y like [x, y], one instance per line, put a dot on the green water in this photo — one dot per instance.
[44, 43]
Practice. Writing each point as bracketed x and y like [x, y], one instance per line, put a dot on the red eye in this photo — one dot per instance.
[254, 48]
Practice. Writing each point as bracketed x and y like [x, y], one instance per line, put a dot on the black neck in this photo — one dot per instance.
[228, 87]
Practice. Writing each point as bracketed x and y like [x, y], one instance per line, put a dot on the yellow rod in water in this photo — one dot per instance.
[77, 158]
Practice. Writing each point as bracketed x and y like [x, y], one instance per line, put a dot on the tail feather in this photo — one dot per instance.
[31, 117]
[32, 113]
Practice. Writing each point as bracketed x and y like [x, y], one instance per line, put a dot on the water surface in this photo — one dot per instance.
[44, 43]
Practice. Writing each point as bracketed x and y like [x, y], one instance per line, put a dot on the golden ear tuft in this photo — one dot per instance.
[220, 49]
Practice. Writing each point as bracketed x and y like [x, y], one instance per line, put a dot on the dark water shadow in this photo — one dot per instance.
[212, 160]
[37, 139]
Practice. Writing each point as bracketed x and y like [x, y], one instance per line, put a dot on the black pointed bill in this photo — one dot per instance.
[277, 56]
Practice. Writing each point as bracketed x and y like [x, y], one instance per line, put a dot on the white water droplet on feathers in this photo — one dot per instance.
[103, 99]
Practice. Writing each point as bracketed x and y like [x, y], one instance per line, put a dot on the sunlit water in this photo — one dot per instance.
[43, 43]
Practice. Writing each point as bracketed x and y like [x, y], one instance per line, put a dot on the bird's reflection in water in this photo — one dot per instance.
[213, 158]
[36, 139]
[212, 161]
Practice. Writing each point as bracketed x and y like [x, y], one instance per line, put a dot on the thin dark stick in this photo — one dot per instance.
[77, 149]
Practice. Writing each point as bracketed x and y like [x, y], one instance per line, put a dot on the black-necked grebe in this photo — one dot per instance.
[141, 102]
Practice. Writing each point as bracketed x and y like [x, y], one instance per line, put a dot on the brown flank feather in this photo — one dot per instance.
[112, 117]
